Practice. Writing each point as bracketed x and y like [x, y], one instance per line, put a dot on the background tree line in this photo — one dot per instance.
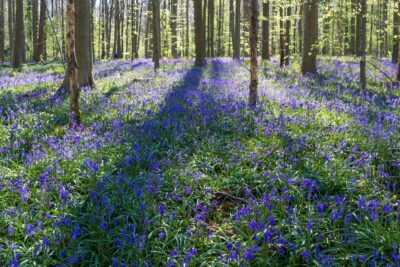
[125, 28]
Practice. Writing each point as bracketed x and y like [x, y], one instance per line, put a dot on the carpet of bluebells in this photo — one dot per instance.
[178, 171]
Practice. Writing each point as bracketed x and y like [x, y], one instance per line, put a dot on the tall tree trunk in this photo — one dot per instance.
[220, 21]
[358, 28]
[265, 31]
[253, 40]
[2, 52]
[72, 65]
[19, 47]
[42, 40]
[396, 22]
[300, 28]
[187, 46]
[231, 26]
[199, 33]
[363, 41]
[156, 34]
[211, 9]
[310, 37]
[174, 19]
[397, 9]
[83, 46]
[11, 27]
[281, 38]
[35, 18]
[63, 48]
[353, 31]
[236, 44]
[287, 33]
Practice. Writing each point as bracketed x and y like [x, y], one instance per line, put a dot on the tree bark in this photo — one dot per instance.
[73, 65]
[11, 27]
[211, 9]
[236, 43]
[396, 21]
[35, 18]
[231, 27]
[41, 39]
[363, 41]
[2, 52]
[265, 31]
[83, 46]
[310, 37]
[187, 46]
[19, 48]
[287, 34]
[281, 38]
[174, 39]
[199, 33]
[156, 34]
[253, 40]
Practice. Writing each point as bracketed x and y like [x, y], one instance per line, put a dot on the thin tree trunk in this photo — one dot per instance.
[73, 65]
[174, 38]
[199, 33]
[156, 34]
[253, 40]
[187, 46]
[281, 38]
[397, 9]
[231, 27]
[19, 49]
[265, 31]
[236, 43]
[2, 52]
[35, 16]
[211, 9]
[363, 40]
[287, 35]
[11, 27]
[396, 21]
[42, 40]
[310, 37]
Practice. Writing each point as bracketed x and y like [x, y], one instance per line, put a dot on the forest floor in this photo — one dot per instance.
[178, 171]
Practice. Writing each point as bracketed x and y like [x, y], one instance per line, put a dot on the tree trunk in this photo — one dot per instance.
[358, 27]
[353, 31]
[287, 34]
[265, 31]
[2, 52]
[300, 27]
[211, 8]
[363, 41]
[253, 53]
[199, 33]
[187, 46]
[310, 37]
[236, 43]
[11, 27]
[83, 45]
[174, 18]
[19, 33]
[281, 38]
[396, 21]
[231, 27]
[397, 9]
[41, 40]
[156, 34]
[35, 17]
[72, 64]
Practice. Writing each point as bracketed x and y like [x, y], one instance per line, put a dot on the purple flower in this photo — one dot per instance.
[29, 230]
[162, 209]
[306, 255]
[248, 254]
